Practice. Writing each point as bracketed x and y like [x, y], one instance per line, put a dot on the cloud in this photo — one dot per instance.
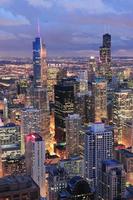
[7, 18]
[7, 36]
[90, 6]
[41, 3]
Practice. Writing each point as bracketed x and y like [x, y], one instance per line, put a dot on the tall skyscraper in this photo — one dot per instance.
[30, 122]
[73, 127]
[64, 105]
[98, 147]
[105, 55]
[111, 182]
[40, 102]
[39, 62]
[122, 110]
[39, 91]
[99, 100]
[35, 158]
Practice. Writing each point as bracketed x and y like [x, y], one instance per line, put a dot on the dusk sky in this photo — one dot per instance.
[68, 27]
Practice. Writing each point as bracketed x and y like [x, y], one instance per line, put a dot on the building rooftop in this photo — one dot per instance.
[16, 183]
[111, 162]
[126, 153]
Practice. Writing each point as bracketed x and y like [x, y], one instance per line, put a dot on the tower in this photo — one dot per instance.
[39, 62]
[35, 157]
[111, 180]
[98, 147]
[99, 99]
[64, 105]
[105, 55]
[73, 127]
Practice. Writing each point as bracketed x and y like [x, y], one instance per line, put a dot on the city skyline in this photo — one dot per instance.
[68, 28]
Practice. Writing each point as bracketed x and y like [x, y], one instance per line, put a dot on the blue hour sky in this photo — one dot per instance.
[68, 27]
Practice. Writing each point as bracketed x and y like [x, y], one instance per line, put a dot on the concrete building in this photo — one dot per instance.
[73, 127]
[35, 158]
[111, 182]
[98, 147]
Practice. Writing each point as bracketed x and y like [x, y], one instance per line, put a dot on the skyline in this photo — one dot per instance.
[67, 28]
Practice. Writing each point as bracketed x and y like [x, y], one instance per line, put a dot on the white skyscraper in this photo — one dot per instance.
[98, 147]
[35, 157]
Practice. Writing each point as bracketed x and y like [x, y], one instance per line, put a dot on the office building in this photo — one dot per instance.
[122, 110]
[74, 166]
[39, 62]
[40, 101]
[126, 158]
[98, 147]
[73, 127]
[77, 189]
[127, 133]
[105, 56]
[99, 100]
[111, 182]
[35, 158]
[18, 187]
[10, 140]
[57, 181]
[64, 105]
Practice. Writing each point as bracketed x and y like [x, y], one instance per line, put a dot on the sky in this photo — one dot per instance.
[68, 27]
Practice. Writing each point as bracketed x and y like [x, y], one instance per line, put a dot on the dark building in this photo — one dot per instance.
[18, 188]
[77, 189]
[105, 55]
[107, 40]
[111, 182]
[64, 105]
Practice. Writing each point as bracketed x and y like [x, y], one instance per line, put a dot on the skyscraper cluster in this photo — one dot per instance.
[66, 129]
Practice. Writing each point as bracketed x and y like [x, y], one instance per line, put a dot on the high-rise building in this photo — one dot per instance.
[30, 122]
[73, 127]
[10, 140]
[18, 187]
[98, 147]
[111, 182]
[40, 102]
[35, 158]
[99, 100]
[122, 110]
[105, 55]
[39, 62]
[126, 158]
[64, 105]
[127, 133]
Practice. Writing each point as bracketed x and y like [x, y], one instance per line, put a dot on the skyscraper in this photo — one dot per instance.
[64, 105]
[30, 122]
[105, 55]
[39, 62]
[98, 147]
[122, 110]
[99, 99]
[111, 182]
[73, 127]
[35, 157]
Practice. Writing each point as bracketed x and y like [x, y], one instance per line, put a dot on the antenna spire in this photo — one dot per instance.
[38, 28]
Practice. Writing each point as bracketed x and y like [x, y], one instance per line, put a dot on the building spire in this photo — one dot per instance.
[38, 28]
